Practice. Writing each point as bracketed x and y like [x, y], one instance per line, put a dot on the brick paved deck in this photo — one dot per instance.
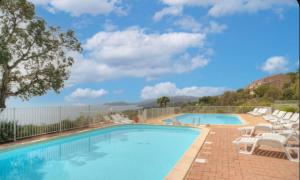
[223, 162]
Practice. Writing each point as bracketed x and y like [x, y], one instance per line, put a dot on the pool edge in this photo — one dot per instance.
[42, 139]
[243, 121]
[179, 171]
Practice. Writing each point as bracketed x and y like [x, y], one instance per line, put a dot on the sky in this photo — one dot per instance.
[135, 50]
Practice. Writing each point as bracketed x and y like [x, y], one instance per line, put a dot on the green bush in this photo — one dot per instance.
[288, 109]
[220, 111]
[7, 128]
[131, 114]
[69, 124]
[6, 131]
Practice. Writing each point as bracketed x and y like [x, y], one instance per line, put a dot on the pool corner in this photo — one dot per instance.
[179, 171]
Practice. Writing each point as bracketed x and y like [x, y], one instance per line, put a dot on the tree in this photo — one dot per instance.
[261, 90]
[273, 94]
[163, 101]
[207, 100]
[288, 94]
[33, 56]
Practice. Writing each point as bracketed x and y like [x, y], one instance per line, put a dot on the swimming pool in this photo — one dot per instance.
[132, 152]
[224, 119]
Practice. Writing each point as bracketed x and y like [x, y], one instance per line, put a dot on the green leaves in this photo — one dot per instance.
[5, 55]
[163, 101]
[33, 54]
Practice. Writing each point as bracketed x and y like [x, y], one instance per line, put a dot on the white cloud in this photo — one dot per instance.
[172, 10]
[218, 8]
[214, 28]
[190, 24]
[170, 89]
[109, 26]
[189, 2]
[79, 7]
[275, 64]
[86, 93]
[135, 53]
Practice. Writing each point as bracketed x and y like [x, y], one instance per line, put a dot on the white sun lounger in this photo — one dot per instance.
[115, 119]
[271, 116]
[260, 112]
[278, 116]
[247, 145]
[290, 133]
[124, 119]
[251, 130]
[253, 111]
[294, 118]
[119, 120]
[257, 112]
[292, 125]
[287, 116]
[289, 125]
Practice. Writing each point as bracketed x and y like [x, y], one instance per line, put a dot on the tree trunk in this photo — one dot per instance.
[2, 102]
[4, 86]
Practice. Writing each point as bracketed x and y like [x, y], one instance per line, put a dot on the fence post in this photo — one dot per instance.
[60, 120]
[89, 115]
[145, 111]
[15, 124]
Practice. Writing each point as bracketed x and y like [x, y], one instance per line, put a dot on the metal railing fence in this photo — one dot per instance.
[159, 112]
[218, 109]
[151, 113]
[286, 102]
[19, 123]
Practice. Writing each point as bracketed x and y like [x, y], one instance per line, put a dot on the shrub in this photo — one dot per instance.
[131, 114]
[288, 109]
[221, 111]
[6, 131]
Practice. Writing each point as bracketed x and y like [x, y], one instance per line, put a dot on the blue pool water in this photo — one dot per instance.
[208, 119]
[129, 152]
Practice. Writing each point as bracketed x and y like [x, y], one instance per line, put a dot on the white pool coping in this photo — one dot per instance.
[243, 122]
[183, 165]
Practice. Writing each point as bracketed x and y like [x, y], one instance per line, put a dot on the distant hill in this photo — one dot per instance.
[175, 100]
[277, 81]
[263, 92]
[118, 103]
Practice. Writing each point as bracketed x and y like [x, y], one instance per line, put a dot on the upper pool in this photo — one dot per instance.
[129, 152]
[223, 119]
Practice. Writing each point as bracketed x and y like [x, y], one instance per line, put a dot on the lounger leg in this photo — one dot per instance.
[247, 132]
[245, 149]
[252, 131]
[288, 154]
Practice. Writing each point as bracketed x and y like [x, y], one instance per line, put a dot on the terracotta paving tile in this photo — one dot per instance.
[223, 162]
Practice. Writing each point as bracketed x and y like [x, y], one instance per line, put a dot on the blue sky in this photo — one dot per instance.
[142, 49]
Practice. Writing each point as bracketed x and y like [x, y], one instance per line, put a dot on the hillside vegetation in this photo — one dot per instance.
[263, 95]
